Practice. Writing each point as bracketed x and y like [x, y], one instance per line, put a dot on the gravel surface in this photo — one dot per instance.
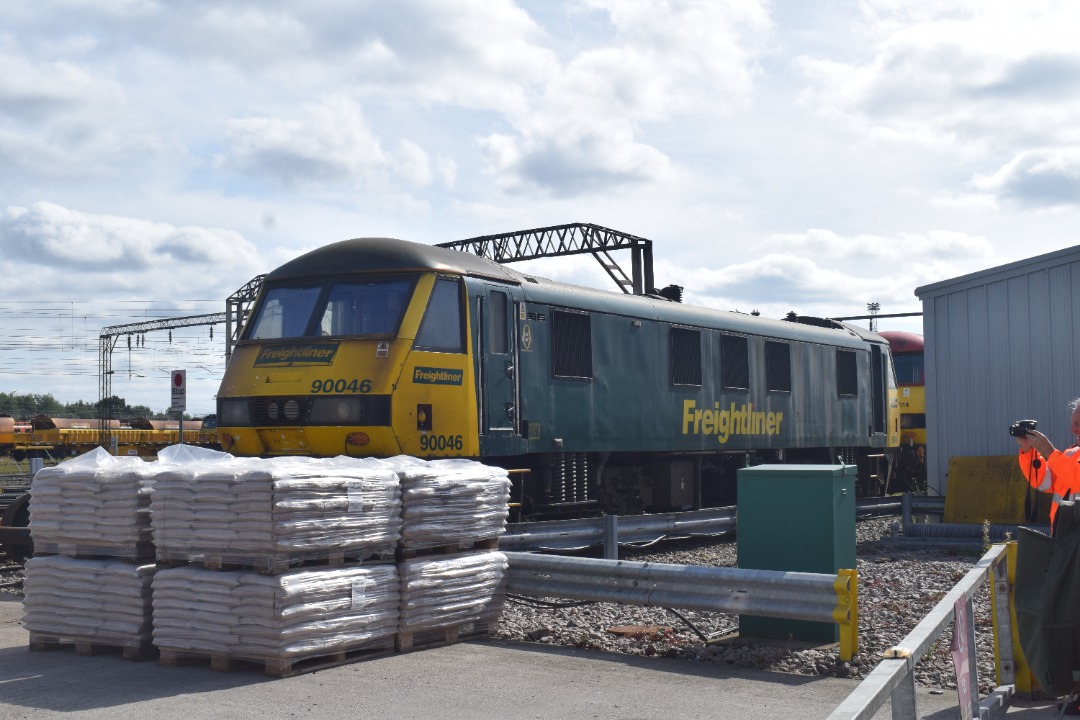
[10, 576]
[897, 588]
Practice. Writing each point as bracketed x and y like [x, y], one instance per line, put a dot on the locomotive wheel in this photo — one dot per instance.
[18, 515]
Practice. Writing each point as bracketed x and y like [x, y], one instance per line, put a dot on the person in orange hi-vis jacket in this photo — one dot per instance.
[1049, 469]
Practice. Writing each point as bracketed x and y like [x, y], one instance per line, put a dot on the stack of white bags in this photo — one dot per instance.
[251, 510]
[107, 601]
[450, 501]
[250, 615]
[255, 513]
[441, 591]
[95, 504]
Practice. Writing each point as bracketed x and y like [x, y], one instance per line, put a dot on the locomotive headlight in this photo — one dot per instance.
[337, 410]
[233, 411]
[292, 409]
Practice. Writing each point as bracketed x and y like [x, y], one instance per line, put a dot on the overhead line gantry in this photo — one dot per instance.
[571, 239]
[236, 309]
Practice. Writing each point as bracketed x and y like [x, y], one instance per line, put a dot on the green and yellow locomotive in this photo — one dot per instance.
[604, 401]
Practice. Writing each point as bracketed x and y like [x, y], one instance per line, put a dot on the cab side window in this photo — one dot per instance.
[442, 329]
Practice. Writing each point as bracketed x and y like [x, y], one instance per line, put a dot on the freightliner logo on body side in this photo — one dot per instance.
[729, 421]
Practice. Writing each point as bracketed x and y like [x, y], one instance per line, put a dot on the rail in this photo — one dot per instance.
[815, 597]
[894, 677]
[643, 529]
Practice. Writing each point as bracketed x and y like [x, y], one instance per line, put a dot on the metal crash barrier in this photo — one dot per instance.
[894, 677]
[768, 593]
[591, 532]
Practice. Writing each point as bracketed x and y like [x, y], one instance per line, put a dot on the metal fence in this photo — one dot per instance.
[894, 678]
[815, 597]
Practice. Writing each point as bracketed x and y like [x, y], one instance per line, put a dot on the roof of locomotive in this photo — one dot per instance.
[389, 254]
[653, 307]
[361, 255]
[903, 342]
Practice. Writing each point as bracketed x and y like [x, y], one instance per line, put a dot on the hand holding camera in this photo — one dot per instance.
[1027, 437]
[1021, 428]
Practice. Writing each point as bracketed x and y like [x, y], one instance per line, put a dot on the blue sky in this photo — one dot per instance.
[155, 156]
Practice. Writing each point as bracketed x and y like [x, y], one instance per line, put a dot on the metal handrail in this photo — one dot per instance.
[816, 597]
[894, 677]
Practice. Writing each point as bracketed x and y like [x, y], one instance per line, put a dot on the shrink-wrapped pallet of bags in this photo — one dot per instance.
[93, 505]
[105, 602]
[450, 502]
[243, 614]
[464, 591]
[268, 513]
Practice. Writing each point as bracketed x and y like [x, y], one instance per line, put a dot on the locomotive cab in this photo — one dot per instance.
[363, 348]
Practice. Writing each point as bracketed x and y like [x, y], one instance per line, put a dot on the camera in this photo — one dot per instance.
[1021, 428]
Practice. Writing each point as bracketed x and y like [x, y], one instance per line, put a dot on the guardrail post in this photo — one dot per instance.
[1011, 665]
[846, 613]
[611, 537]
[904, 706]
[972, 656]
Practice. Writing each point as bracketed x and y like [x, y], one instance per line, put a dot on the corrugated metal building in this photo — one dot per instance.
[1001, 345]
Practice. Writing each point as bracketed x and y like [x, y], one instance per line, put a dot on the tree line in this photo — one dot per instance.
[25, 406]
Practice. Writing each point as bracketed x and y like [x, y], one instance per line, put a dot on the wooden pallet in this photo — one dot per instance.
[142, 554]
[423, 638]
[275, 564]
[280, 667]
[134, 650]
[409, 553]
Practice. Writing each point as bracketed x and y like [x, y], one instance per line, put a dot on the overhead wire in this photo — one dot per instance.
[73, 351]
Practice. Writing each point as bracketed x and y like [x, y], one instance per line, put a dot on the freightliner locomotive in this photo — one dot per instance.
[601, 401]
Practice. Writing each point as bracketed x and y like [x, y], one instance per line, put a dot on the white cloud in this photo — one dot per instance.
[413, 164]
[821, 272]
[447, 169]
[561, 125]
[58, 120]
[583, 129]
[74, 252]
[1041, 178]
[980, 80]
[330, 142]
[36, 92]
[573, 160]
[672, 56]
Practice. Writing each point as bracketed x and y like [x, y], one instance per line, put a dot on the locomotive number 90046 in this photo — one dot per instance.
[340, 386]
[437, 443]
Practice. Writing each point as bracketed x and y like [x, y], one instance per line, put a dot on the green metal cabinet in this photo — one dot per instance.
[795, 518]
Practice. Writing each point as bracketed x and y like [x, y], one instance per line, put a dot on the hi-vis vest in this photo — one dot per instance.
[1059, 476]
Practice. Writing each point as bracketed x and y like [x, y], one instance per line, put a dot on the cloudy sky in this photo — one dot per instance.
[155, 155]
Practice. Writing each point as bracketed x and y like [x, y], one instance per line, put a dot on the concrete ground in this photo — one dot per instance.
[467, 681]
